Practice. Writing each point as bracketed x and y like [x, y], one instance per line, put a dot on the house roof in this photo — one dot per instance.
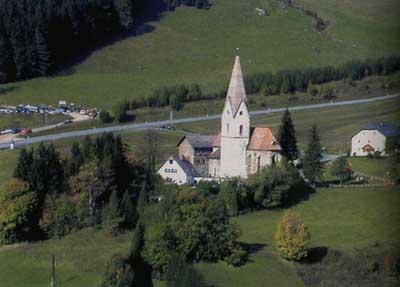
[385, 128]
[187, 167]
[262, 139]
[199, 141]
[215, 154]
[217, 141]
[236, 91]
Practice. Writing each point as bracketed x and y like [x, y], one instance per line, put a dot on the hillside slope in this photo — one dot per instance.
[197, 46]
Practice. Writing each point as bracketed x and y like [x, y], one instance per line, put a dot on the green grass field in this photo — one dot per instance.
[197, 46]
[371, 166]
[348, 220]
[29, 120]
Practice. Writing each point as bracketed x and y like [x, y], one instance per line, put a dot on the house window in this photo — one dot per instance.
[240, 113]
[171, 161]
[227, 128]
[258, 164]
[240, 130]
[215, 172]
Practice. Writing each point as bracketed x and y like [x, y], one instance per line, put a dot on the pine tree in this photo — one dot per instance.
[287, 137]
[76, 160]
[24, 165]
[312, 165]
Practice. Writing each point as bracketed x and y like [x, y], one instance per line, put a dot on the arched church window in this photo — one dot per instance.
[227, 128]
[240, 130]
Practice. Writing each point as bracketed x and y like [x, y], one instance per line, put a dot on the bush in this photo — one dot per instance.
[292, 237]
[181, 274]
[59, 217]
[118, 273]
[105, 117]
[17, 211]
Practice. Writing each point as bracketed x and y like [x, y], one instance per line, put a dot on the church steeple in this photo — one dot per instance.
[236, 92]
[235, 127]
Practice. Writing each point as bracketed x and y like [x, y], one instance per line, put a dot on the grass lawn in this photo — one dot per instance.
[29, 120]
[8, 158]
[370, 166]
[197, 46]
[346, 219]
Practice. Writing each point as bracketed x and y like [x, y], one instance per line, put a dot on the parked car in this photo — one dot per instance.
[15, 130]
[7, 131]
[25, 132]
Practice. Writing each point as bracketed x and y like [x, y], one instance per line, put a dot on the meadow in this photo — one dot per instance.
[29, 120]
[197, 46]
[333, 218]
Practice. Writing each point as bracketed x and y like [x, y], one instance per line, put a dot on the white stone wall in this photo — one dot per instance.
[213, 167]
[367, 137]
[173, 171]
[235, 133]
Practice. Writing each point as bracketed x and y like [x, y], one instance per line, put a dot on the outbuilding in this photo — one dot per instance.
[178, 171]
[373, 138]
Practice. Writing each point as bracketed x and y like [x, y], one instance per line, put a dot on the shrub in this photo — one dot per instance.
[292, 237]
[105, 117]
[118, 273]
[59, 217]
[17, 206]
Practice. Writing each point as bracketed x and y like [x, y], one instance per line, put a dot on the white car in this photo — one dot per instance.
[7, 131]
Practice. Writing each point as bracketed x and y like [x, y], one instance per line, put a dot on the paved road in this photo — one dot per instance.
[153, 125]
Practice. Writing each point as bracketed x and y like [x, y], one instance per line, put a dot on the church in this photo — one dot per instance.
[239, 150]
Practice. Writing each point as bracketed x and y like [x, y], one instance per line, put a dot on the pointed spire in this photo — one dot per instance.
[236, 92]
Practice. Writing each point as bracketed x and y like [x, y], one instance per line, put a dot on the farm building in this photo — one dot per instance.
[373, 138]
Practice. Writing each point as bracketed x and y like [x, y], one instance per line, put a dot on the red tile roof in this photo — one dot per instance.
[263, 139]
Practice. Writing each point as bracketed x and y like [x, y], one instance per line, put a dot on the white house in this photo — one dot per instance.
[178, 171]
[373, 138]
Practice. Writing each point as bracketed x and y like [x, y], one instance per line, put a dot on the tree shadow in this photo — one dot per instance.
[315, 255]
[6, 90]
[252, 248]
[150, 11]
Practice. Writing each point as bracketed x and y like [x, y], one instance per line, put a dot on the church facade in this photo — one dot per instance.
[237, 151]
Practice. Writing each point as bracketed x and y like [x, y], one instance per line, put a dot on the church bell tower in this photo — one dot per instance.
[235, 127]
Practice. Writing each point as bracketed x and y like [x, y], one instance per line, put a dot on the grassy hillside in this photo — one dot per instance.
[334, 220]
[191, 45]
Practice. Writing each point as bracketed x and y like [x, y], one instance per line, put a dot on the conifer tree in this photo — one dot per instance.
[287, 137]
[24, 165]
[312, 165]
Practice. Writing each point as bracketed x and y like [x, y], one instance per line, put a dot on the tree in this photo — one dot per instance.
[287, 137]
[181, 274]
[24, 164]
[194, 227]
[76, 160]
[341, 169]
[111, 215]
[150, 150]
[119, 272]
[312, 165]
[119, 111]
[17, 207]
[105, 117]
[59, 216]
[292, 237]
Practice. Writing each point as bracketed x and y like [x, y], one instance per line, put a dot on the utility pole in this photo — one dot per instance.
[171, 118]
[53, 272]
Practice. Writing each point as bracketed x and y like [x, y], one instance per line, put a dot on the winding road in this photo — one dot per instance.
[158, 124]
